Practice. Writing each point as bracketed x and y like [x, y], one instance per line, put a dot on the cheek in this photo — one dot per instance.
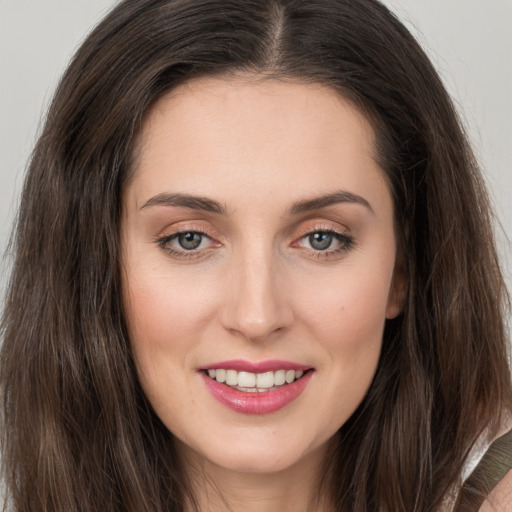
[346, 318]
[349, 307]
[164, 306]
[164, 322]
[165, 318]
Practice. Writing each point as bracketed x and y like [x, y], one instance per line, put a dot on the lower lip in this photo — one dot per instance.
[263, 402]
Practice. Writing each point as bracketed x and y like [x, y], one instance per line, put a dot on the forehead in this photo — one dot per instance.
[223, 135]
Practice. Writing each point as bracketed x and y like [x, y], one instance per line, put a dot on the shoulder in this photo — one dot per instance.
[500, 498]
[491, 477]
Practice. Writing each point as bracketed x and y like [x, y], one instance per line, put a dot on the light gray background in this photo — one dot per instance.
[470, 42]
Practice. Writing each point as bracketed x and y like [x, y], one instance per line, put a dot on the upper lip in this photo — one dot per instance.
[241, 365]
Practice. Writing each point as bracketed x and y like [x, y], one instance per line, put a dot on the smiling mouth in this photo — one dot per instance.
[255, 382]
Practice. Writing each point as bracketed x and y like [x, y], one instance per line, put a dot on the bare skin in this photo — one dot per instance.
[257, 226]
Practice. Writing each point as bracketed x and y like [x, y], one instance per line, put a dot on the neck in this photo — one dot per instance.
[294, 489]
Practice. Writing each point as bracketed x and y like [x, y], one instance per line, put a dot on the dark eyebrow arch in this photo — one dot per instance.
[185, 201]
[317, 203]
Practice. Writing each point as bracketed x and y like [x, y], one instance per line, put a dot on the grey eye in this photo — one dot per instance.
[320, 240]
[190, 240]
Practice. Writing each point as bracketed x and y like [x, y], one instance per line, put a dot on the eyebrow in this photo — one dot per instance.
[341, 196]
[212, 206]
[185, 201]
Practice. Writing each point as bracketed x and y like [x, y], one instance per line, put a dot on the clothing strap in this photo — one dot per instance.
[493, 466]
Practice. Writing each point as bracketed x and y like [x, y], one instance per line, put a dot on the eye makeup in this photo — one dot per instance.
[318, 241]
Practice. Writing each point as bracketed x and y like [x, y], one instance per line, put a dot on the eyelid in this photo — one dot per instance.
[321, 225]
[343, 236]
[187, 226]
[345, 239]
[172, 232]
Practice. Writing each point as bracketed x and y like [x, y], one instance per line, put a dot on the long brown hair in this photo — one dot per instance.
[78, 433]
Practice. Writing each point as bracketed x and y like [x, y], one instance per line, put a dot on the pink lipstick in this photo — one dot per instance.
[256, 388]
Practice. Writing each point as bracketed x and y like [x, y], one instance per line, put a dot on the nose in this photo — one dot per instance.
[257, 304]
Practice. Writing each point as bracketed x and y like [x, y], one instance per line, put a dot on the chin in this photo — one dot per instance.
[258, 456]
[256, 462]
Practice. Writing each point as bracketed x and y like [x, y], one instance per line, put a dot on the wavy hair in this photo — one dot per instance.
[77, 432]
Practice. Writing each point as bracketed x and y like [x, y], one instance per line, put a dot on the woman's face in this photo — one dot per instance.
[258, 255]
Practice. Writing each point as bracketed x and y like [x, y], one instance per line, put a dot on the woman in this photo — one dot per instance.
[254, 269]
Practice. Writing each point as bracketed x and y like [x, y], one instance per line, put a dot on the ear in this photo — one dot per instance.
[397, 293]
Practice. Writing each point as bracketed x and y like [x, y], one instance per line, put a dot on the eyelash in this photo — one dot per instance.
[346, 242]
[164, 241]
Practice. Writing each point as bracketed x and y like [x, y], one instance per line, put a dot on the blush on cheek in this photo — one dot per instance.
[258, 296]
[154, 308]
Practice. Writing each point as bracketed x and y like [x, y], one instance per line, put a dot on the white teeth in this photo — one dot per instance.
[265, 380]
[247, 381]
[280, 377]
[290, 376]
[231, 377]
